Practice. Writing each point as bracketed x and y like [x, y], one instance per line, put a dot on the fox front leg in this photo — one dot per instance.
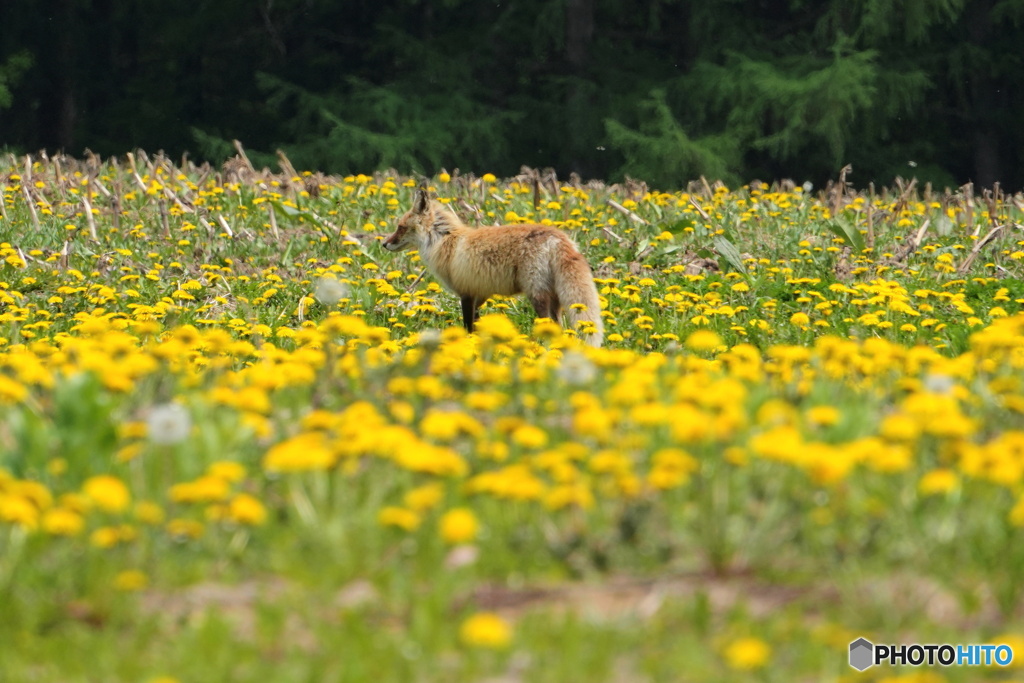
[470, 312]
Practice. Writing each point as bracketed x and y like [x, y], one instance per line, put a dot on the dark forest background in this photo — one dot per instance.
[664, 90]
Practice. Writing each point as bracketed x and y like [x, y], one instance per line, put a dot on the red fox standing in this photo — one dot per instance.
[538, 260]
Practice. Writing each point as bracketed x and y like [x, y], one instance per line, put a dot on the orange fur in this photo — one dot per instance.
[475, 263]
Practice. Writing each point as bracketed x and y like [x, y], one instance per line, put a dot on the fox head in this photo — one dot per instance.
[414, 227]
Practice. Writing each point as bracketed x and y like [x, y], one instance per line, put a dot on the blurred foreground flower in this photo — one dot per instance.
[703, 340]
[108, 493]
[938, 481]
[486, 629]
[131, 580]
[746, 654]
[496, 327]
[246, 509]
[459, 526]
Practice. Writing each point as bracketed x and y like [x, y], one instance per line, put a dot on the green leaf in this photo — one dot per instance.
[298, 214]
[848, 232]
[680, 226]
[731, 254]
[644, 243]
[289, 211]
[944, 226]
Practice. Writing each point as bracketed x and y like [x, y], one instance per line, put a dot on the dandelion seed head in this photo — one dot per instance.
[576, 369]
[935, 383]
[430, 338]
[329, 291]
[168, 424]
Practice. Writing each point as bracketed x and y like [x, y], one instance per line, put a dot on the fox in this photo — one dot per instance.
[475, 263]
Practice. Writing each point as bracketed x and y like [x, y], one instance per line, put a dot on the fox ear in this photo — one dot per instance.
[422, 201]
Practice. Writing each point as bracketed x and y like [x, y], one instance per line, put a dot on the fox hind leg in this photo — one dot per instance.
[546, 305]
[470, 312]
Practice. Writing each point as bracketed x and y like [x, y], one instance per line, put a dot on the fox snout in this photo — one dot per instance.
[396, 241]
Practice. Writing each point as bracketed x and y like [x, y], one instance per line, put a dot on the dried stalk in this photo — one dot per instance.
[969, 261]
[626, 212]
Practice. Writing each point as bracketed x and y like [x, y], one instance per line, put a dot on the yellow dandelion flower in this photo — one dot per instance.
[247, 509]
[148, 512]
[18, 510]
[205, 489]
[1015, 641]
[703, 341]
[131, 580]
[34, 492]
[184, 529]
[459, 526]
[486, 630]
[62, 522]
[823, 416]
[399, 517]
[938, 481]
[11, 391]
[304, 452]
[746, 654]
[128, 453]
[227, 470]
[899, 428]
[441, 425]
[424, 497]
[108, 492]
[496, 327]
[530, 436]
[568, 495]
[105, 537]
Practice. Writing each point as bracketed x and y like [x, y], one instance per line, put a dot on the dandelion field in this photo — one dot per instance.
[240, 441]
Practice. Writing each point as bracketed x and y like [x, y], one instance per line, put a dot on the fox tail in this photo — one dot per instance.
[574, 284]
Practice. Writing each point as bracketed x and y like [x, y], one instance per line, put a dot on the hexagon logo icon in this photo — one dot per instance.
[861, 654]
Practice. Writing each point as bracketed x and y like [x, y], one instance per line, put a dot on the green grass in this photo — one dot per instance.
[837, 452]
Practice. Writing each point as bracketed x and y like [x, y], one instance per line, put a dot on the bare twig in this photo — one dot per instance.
[31, 205]
[89, 220]
[135, 172]
[913, 242]
[242, 155]
[164, 218]
[626, 212]
[466, 206]
[273, 221]
[871, 225]
[285, 164]
[700, 210]
[224, 224]
[608, 231]
[969, 261]
[416, 281]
